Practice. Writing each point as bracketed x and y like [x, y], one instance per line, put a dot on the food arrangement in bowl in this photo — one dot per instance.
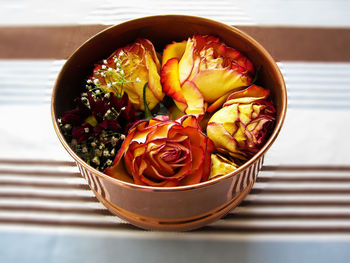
[169, 127]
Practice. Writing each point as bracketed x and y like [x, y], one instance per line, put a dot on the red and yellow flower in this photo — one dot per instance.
[161, 152]
[243, 124]
[128, 69]
[200, 73]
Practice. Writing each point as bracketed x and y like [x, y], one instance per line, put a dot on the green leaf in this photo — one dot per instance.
[148, 114]
[256, 75]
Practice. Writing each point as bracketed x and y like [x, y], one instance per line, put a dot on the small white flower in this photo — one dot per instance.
[89, 81]
[121, 71]
[110, 69]
[96, 81]
[104, 67]
[122, 136]
[105, 61]
[118, 64]
[114, 83]
[109, 85]
[117, 69]
[123, 108]
[96, 160]
[113, 150]
[121, 53]
[137, 79]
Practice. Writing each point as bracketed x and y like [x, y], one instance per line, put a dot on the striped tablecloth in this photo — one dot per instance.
[297, 211]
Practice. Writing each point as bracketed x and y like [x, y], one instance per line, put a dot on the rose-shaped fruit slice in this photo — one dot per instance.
[128, 69]
[244, 123]
[210, 67]
[160, 152]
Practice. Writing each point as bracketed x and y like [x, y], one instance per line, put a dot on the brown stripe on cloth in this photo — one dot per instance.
[43, 196]
[284, 43]
[38, 208]
[306, 190]
[299, 168]
[39, 173]
[275, 229]
[298, 203]
[43, 222]
[67, 210]
[287, 216]
[37, 162]
[44, 185]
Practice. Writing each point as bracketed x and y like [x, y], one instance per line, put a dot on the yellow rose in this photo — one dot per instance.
[243, 124]
[127, 70]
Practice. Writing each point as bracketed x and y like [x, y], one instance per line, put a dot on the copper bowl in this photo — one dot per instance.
[167, 208]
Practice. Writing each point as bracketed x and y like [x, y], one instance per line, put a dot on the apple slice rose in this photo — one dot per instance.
[201, 73]
[127, 70]
[161, 152]
[241, 127]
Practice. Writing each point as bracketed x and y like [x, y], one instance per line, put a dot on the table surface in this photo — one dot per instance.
[297, 211]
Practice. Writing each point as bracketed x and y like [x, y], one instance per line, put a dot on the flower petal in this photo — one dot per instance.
[150, 49]
[186, 62]
[174, 50]
[223, 140]
[210, 147]
[221, 166]
[171, 82]
[196, 172]
[153, 79]
[118, 171]
[195, 137]
[228, 117]
[189, 121]
[218, 103]
[215, 83]
[252, 92]
[194, 99]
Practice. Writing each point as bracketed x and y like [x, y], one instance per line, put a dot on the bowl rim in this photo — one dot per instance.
[240, 169]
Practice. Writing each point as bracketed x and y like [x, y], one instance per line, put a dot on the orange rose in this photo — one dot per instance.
[160, 152]
[201, 73]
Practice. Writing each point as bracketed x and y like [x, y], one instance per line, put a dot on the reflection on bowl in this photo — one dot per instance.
[167, 208]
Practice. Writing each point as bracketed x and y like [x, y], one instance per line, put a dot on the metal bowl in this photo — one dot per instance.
[167, 208]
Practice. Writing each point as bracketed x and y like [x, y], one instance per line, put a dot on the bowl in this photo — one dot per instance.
[167, 208]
